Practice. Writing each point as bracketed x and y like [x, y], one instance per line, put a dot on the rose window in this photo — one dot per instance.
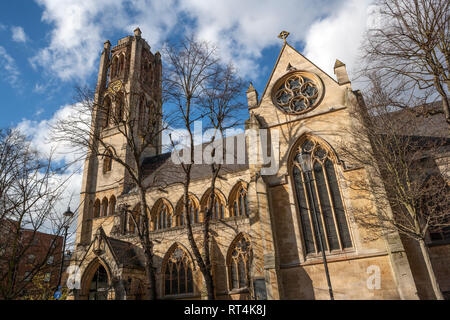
[297, 93]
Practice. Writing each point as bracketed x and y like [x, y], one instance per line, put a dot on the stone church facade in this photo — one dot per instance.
[264, 244]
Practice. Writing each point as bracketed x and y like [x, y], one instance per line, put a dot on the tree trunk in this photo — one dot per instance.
[445, 104]
[434, 283]
[148, 248]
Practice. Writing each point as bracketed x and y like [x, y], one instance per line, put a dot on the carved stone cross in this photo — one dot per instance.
[283, 35]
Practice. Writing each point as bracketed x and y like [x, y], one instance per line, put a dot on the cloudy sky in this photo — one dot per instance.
[49, 46]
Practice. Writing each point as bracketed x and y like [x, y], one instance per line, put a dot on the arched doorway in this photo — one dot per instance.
[98, 289]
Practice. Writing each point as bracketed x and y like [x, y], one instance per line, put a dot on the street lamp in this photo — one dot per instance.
[68, 214]
[306, 164]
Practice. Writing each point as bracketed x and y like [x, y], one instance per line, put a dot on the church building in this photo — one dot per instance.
[267, 229]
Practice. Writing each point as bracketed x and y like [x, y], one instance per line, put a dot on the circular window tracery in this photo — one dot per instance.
[297, 92]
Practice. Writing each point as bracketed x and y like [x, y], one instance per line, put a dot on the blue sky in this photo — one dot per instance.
[38, 76]
[49, 46]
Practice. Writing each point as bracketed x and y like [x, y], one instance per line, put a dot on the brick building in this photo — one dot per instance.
[36, 255]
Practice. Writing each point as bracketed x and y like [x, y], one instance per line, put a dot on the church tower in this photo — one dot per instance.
[127, 98]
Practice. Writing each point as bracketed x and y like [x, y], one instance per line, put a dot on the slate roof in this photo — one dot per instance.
[127, 254]
[161, 171]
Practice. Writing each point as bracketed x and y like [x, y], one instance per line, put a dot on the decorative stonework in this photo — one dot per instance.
[297, 92]
[115, 87]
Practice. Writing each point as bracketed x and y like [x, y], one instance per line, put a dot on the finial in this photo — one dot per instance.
[137, 32]
[251, 88]
[283, 35]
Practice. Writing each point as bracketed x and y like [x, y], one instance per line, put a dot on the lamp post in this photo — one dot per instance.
[68, 214]
[306, 164]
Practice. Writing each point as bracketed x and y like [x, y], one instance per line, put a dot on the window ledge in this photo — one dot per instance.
[239, 291]
[181, 296]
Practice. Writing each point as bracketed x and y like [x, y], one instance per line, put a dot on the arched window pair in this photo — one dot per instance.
[325, 198]
[109, 118]
[177, 271]
[105, 208]
[118, 66]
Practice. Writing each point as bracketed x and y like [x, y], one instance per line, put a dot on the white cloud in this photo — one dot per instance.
[242, 29]
[8, 68]
[18, 34]
[338, 36]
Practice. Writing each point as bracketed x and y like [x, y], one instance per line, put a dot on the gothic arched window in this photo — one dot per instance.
[218, 205]
[97, 208]
[325, 197]
[177, 272]
[238, 201]
[162, 215]
[114, 66]
[134, 220]
[121, 64]
[112, 206]
[107, 161]
[120, 107]
[106, 112]
[238, 262]
[193, 211]
[104, 212]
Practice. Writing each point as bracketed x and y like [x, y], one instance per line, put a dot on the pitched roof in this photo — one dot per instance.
[161, 171]
[127, 254]
[426, 121]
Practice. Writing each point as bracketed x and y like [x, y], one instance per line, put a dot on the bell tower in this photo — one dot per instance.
[128, 95]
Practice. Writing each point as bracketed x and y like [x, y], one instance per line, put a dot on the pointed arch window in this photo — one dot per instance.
[134, 220]
[325, 196]
[114, 66]
[238, 201]
[239, 259]
[120, 107]
[218, 206]
[112, 206]
[107, 161]
[97, 208]
[193, 209]
[178, 278]
[106, 112]
[104, 212]
[164, 219]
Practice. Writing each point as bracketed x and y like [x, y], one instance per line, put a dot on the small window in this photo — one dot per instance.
[50, 260]
[47, 277]
[107, 161]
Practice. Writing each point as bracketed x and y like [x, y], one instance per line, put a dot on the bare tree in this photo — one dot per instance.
[410, 44]
[407, 173]
[30, 188]
[140, 126]
[201, 88]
